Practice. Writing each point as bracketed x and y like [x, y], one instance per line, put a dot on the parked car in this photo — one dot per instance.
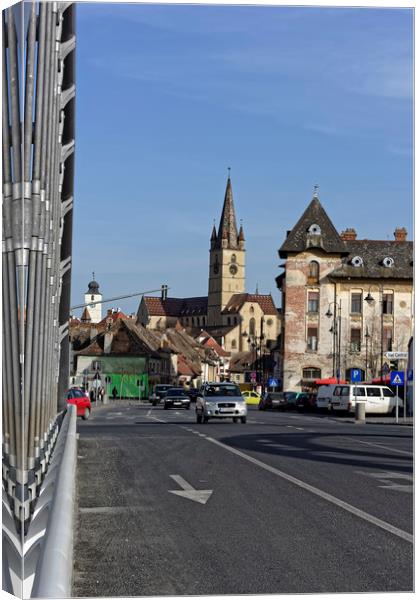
[159, 391]
[306, 401]
[251, 397]
[176, 398]
[378, 399]
[273, 400]
[81, 399]
[324, 397]
[291, 398]
[220, 401]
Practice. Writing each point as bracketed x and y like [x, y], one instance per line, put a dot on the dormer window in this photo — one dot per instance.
[388, 262]
[357, 261]
[314, 229]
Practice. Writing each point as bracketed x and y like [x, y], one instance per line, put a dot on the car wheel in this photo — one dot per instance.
[199, 418]
[243, 419]
[86, 414]
[235, 419]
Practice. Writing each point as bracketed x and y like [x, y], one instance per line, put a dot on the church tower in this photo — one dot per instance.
[227, 261]
[93, 295]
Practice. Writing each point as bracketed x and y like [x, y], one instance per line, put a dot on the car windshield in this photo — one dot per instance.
[223, 390]
[175, 392]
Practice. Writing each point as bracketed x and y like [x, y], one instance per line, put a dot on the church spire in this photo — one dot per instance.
[227, 228]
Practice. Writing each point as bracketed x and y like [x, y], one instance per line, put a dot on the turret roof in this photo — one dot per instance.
[227, 226]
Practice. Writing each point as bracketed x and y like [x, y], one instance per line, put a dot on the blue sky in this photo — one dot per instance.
[168, 97]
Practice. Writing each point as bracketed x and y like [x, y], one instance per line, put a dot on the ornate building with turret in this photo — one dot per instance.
[236, 319]
[93, 297]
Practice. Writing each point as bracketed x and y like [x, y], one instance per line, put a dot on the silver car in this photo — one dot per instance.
[220, 401]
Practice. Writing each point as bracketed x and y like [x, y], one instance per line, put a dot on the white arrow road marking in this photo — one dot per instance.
[189, 492]
[385, 447]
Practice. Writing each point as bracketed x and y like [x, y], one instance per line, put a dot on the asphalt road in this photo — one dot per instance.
[289, 503]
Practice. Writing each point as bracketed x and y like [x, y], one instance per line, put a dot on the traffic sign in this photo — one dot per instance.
[355, 375]
[396, 355]
[396, 378]
[272, 382]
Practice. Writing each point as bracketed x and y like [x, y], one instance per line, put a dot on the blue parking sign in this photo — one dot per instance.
[396, 378]
[355, 375]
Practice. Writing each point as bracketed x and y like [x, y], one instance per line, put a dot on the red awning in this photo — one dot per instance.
[386, 380]
[329, 380]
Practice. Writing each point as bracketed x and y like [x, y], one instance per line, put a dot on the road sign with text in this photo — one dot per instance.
[355, 375]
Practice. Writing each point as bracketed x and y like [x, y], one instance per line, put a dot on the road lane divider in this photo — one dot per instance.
[317, 492]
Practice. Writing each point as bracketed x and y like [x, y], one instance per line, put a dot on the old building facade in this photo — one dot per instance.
[346, 302]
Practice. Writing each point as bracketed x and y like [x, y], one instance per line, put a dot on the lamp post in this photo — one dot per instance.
[336, 331]
[367, 337]
[370, 300]
[256, 344]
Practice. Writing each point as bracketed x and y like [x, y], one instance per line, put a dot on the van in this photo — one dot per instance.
[324, 396]
[378, 399]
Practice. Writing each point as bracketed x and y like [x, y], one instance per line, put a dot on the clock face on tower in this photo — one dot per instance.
[233, 269]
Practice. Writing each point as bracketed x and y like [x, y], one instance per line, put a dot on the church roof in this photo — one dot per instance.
[237, 301]
[176, 307]
[86, 318]
[313, 230]
[227, 227]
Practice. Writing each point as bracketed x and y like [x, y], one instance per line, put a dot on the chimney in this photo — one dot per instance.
[400, 234]
[348, 235]
[108, 342]
[164, 292]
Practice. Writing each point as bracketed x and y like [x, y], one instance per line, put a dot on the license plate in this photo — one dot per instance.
[225, 410]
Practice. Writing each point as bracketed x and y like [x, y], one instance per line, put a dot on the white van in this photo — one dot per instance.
[324, 396]
[378, 399]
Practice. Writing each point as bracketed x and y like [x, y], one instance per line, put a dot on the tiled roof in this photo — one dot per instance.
[237, 301]
[372, 253]
[241, 361]
[301, 237]
[127, 338]
[176, 307]
[114, 315]
[210, 342]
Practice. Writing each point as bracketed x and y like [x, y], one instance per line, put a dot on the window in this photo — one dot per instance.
[313, 302]
[314, 271]
[311, 373]
[233, 344]
[356, 303]
[252, 326]
[387, 339]
[387, 393]
[373, 392]
[92, 297]
[387, 304]
[312, 339]
[228, 320]
[359, 391]
[355, 340]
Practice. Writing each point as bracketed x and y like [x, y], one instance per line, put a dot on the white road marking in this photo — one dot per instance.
[385, 477]
[113, 509]
[328, 497]
[200, 496]
[293, 427]
[385, 447]
[157, 419]
[149, 413]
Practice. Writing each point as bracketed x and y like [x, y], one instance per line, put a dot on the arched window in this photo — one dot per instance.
[251, 310]
[314, 271]
[311, 373]
[233, 345]
[252, 326]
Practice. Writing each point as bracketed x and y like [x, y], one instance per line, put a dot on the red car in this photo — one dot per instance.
[81, 399]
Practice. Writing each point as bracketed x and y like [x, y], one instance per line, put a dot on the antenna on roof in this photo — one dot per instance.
[256, 289]
[316, 188]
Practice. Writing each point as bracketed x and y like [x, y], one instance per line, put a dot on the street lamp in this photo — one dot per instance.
[367, 336]
[256, 343]
[370, 301]
[336, 331]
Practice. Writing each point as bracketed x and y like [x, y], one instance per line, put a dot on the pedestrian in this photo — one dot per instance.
[92, 395]
[114, 393]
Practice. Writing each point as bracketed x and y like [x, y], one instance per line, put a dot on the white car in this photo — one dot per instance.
[220, 401]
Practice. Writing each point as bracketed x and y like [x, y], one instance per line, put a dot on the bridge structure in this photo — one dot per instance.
[38, 126]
